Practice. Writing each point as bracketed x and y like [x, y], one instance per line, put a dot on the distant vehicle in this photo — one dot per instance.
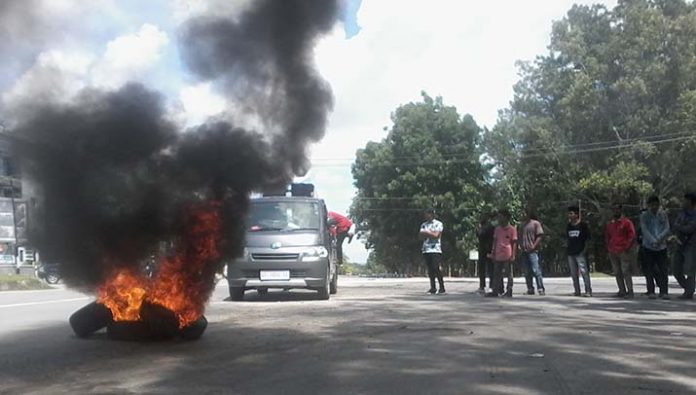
[49, 272]
[288, 245]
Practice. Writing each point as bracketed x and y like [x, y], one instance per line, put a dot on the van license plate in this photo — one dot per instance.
[274, 275]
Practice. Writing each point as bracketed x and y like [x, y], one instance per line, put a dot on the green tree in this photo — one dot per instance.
[609, 113]
[430, 158]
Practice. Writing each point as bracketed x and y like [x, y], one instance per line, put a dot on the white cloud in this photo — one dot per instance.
[127, 57]
[55, 77]
[200, 102]
[59, 73]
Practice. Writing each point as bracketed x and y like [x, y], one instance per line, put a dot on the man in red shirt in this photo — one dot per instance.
[503, 255]
[620, 239]
[343, 228]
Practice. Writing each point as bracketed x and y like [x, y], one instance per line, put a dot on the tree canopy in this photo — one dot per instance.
[430, 158]
[607, 114]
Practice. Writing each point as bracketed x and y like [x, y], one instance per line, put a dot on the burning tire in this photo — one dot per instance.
[129, 331]
[89, 319]
[195, 330]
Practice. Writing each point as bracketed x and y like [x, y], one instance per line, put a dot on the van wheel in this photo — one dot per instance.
[333, 286]
[325, 290]
[236, 294]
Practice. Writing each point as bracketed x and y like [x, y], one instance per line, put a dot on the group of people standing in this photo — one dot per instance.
[499, 248]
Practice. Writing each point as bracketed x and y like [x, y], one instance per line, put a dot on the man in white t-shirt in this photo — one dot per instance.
[431, 232]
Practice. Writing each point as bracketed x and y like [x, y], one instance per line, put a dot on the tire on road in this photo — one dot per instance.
[333, 286]
[236, 294]
[325, 291]
[90, 319]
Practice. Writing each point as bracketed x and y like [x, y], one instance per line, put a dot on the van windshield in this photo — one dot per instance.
[283, 216]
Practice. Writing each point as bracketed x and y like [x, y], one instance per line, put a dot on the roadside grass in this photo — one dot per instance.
[9, 282]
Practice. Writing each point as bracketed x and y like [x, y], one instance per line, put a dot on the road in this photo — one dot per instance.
[382, 336]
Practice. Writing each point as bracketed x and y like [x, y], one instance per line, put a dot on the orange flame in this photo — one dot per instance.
[183, 282]
[123, 293]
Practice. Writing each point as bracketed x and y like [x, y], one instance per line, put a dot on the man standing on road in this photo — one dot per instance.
[620, 239]
[654, 226]
[532, 232]
[503, 254]
[344, 229]
[683, 262]
[431, 232]
[484, 265]
[578, 233]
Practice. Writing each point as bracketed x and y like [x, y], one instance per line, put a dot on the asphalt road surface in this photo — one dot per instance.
[382, 336]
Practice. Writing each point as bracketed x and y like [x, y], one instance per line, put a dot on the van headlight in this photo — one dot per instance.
[244, 256]
[314, 254]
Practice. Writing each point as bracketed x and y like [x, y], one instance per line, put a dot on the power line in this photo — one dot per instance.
[568, 148]
[619, 145]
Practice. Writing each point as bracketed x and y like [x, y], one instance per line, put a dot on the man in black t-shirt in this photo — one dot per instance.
[485, 246]
[578, 233]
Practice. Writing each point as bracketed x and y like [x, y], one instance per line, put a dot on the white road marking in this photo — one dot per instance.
[3, 306]
[31, 291]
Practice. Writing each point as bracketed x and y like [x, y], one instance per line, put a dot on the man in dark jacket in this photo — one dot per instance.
[578, 234]
[684, 228]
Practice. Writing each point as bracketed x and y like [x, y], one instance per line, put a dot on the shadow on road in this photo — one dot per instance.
[399, 343]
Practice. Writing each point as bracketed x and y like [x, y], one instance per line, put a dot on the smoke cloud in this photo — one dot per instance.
[264, 58]
[113, 173]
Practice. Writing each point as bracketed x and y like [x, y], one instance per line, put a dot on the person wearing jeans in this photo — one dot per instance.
[531, 233]
[577, 235]
[503, 255]
[683, 262]
[620, 240]
[654, 226]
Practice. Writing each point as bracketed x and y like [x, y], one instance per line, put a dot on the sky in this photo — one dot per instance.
[383, 54]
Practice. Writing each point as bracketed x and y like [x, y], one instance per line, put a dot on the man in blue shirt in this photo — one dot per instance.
[654, 226]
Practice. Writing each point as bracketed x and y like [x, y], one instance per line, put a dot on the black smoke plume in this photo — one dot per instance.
[112, 173]
[265, 60]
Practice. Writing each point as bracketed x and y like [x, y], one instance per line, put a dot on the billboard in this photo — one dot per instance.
[13, 220]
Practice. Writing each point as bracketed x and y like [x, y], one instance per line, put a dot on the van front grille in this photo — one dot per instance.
[275, 257]
[293, 273]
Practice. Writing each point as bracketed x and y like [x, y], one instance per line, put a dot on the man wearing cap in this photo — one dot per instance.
[431, 232]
